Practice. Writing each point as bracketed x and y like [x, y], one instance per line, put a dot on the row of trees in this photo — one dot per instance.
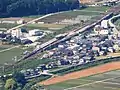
[33, 7]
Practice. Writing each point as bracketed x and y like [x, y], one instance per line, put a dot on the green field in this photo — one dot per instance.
[8, 53]
[70, 15]
[102, 8]
[84, 13]
[106, 81]
[47, 26]
[32, 16]
[8, 26]
[6, 56]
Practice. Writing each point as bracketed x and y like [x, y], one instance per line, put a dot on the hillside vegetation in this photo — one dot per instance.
[35, 7]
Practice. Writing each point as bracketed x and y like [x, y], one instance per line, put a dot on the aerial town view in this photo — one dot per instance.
[59, 44]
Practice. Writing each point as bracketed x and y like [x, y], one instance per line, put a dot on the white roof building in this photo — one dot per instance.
[34, 38]
[16, 33]
[34, 32]
[104, 32]
[104, 24]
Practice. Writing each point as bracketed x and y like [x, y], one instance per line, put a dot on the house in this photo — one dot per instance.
[88, 58]
[35, 32]
[96, 53]
[63, 62]
[2, 34]
[81, 61]
[104, 32]
[68, 52]
[76, 57]
[108, 43]
[43, 66]
[116, 47]
[26, 41]
[45, 56]
[34, 38]
[102, 53]
[97, 29]
[104, 24]
[95, 48]
[101, 30]
[104, 48]
[75, 62]
[82, 55]
[16, 33]
[21, 21]
[74, 47]
[111, 49]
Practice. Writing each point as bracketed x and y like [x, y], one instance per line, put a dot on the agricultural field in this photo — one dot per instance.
[105, 81]
[86, 13]
[89, 11]
[69, 15]
[99, 9]
[47, 26]
[8, 53]
[7, 26]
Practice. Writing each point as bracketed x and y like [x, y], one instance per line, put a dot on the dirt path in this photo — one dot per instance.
[83, 73]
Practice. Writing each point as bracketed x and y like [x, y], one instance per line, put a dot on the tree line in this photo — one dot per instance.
[35, 7]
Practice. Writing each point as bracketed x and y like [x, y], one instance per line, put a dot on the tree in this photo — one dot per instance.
[19, 78]
[32, 7]
[10, 84]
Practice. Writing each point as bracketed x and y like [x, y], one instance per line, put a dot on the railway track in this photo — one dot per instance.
[69, 35]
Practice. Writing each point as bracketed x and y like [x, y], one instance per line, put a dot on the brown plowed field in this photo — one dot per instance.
[83, 73]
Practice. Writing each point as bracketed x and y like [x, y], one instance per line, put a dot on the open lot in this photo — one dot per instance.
[105, 81]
